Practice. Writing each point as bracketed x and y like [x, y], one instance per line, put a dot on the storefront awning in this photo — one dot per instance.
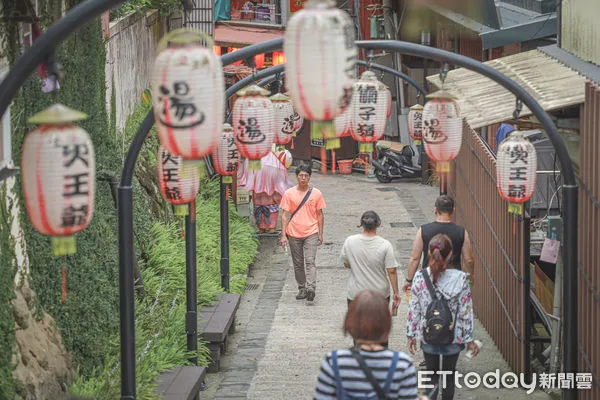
[483, 102]
[239, 35]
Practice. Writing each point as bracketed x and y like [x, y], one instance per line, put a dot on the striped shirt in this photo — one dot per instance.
[355, 382]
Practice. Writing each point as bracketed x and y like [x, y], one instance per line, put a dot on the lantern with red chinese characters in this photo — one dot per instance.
[253, 124]
[298, 123]
[188, 94]
[226, 156]
[283, 117]
[179, 181]
[369, 104]
[516, 166]
[320, 38]
[59, 176]
[415, 123]
[442, 129]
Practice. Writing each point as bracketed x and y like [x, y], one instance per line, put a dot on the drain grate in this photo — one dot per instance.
[402, 224]
[387, 189]
[252, 286]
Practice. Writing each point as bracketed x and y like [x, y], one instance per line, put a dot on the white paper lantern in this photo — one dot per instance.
[226, 156]
[343, 123]
[442, 129]
[283, 118]
[516, 167]
[415, 122]
[188, 95]
[59, 176]
[253, 124]
[179, 181]
[369, 105]
[285, 157]
[320, 67]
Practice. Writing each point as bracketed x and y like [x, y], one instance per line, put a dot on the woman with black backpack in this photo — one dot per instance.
[440, 314]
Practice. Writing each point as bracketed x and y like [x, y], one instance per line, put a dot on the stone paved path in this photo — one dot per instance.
[280, 342]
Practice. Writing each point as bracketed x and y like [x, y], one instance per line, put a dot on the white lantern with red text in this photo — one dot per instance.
[442, 129]
[415, 123]
[253, 124]
[188, 94]
[283, 117]
[59, 176]
[320, 67]
[516, 166]
[179, 181]
[343, 123]
[370, 105]
[226, 156]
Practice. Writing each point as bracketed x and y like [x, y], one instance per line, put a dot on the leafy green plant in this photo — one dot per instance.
[140, 6]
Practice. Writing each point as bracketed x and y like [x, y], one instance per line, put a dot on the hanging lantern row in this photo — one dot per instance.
[253, 124]
[226, 157]
[516, 167]
[370, 106]
[283, 116]
[188, 94]
[320, 97]
[179, 181]
[442, 129]
[59, 176]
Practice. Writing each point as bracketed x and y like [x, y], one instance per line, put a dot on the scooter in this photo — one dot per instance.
[394, 160]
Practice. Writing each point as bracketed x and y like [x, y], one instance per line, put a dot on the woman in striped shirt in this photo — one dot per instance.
[369, 322]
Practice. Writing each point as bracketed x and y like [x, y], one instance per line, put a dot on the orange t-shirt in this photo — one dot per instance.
[305, 222]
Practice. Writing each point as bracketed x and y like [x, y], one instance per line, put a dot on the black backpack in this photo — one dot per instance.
[439, 327]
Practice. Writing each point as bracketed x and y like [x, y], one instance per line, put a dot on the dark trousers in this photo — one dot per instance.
[385, 345]
[448, 364]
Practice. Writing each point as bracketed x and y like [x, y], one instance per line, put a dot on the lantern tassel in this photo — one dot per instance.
[227, 179]
[292, 146]
[227, 193]
[323, 161]
[331, 144]
[63, 246]
[365, 147]
[333, 161]
[180, 210]
[315, 130]
[367, 166]
[63, 297]
[198, 164]
[254, 165]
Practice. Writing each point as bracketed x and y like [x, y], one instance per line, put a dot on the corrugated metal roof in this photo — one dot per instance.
[484, 102]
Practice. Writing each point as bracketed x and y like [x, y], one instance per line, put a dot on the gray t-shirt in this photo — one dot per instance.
[368, 256]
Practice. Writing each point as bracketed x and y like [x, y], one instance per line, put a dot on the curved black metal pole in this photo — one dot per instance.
[126, 251]
[25, 65]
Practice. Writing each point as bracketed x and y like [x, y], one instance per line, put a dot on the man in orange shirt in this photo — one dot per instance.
[302, 227]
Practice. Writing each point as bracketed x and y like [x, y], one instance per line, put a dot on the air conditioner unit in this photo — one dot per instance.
[377, 27]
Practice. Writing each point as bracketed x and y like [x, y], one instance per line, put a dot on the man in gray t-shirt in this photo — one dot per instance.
[371, 260]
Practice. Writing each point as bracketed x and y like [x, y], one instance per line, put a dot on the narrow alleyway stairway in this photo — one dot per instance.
[280, 342]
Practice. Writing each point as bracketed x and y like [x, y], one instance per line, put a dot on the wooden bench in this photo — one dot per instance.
[181, 383]
[215, 323]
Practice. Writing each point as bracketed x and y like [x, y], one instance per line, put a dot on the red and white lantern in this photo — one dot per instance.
[284, 118]
[59, 176]
[179, 181]
[253, 124]
[442, 129]
[343, 123]
[226, 157]
[285, 157]
[389, 102]
[320, 37]
[370, 104]
[415, 123]
[188, 95]
[516, 167]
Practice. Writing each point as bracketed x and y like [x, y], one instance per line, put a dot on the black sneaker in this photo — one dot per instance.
[310, 295]
[301, 294]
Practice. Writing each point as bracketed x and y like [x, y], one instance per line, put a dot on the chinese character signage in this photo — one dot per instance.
[59, 177]
[179, 181]
[516, 167]
[226, 157]
[370, 105]
[187, 91]
[415, 122]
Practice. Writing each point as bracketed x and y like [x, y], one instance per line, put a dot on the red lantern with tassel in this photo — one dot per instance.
[179, 181]
[253, 124]
[284, 118]
[516, 166]
[226, 156]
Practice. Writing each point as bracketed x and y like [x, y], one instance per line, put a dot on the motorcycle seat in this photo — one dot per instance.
[395, 147]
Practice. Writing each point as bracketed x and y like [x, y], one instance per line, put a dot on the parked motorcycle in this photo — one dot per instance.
[394, 160]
